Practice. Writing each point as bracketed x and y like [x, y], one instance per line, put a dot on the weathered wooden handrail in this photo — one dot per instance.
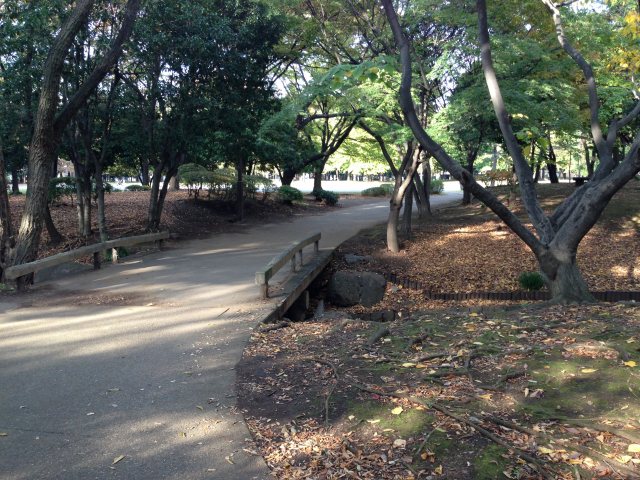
[263, 276]
[17, 271]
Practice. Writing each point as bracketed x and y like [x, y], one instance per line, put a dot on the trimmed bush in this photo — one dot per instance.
[531, 281]
[388, 188]
[436, 186]
[374, 192]
[138, 188]
[60, 187]
[288, 195]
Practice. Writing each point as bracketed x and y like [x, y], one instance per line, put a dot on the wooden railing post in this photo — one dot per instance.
[96, 260]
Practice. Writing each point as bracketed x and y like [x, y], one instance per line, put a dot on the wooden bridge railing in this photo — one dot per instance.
[17, 271]
[263, 276]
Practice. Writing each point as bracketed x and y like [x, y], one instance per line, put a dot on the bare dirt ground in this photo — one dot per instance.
[464, 390]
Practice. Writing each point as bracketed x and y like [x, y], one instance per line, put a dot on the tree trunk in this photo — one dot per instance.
[426, 183]
[6, 235]
[102, 221]
[393, 243]
[15, 181]
[466, 193]
[317, 179]
[563, 278]
[407, 214]
[55, 237]
[422, 201]
[175, 184]
[240, 189]
[494, 164]
[588, 159]
[144, 172]
[287, 176]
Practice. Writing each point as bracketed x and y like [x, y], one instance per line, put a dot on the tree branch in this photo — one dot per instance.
[77, 100]
[436, 150]
[523, 170]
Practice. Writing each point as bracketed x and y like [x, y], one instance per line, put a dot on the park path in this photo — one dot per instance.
[128, 372]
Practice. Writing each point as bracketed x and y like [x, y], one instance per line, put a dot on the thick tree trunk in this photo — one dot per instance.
[552, 168]
[175, 184]
[317, 179]
[563, 278]
[287, 176]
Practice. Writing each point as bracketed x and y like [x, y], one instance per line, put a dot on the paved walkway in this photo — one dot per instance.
[128, 372]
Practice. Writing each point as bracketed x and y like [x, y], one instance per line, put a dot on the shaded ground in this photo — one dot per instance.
[558, 385]
[468, 390]
[126, 214]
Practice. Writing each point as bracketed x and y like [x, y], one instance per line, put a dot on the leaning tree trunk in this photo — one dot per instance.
[426, 183]
[563, 278]
[55, 237]
[422, 201]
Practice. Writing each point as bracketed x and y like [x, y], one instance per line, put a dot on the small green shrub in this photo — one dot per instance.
[531, 281]
[436, 186]
[330, 198]
[374, 192]
[288, 195]
[138, 188]
[60, 187]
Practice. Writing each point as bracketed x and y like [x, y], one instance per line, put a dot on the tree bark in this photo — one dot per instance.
[287, 176]
[55, 238]
[422, 201]
[563, 278]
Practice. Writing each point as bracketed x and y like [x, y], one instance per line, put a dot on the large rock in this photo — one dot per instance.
[352, 288]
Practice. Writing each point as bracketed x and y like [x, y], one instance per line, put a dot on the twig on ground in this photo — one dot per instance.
[330, 392]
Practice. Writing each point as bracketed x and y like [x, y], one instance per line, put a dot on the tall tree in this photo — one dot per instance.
[51, 119]
[557, 235]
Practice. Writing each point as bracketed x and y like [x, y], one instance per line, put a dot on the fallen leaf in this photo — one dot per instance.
[589, 370]
[397, 410]
[438, 470]
[228, 459]
[399, 443]
[634, 448]
[631, 363]
[119, 458]
[408, 365]
[199, 407]
[4, 434]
